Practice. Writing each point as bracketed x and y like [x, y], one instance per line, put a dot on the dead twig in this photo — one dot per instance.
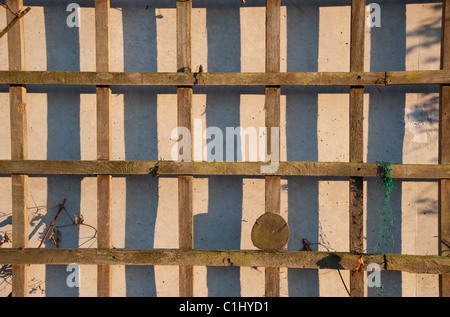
[61, 207]
[55, 237]
[18, 15]
[77, 221]
[6, 239]
[155, 170]
[8, 8]
[306, 247]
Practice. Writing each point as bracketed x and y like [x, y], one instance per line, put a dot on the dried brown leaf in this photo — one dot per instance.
[55, 237]
[360, 265]
[306, 246]
[7, 238]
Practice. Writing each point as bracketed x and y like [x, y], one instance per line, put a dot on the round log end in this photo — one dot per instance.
[270, 232]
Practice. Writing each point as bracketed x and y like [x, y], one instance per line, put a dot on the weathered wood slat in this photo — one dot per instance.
[273, 20]
[356, 184]
[104, 123]
[19, 232]
[19, 147]
[356, 124]
[423, 77]
[184, 119]
[444, 150]
[290, 259]
[272, 119]
[18, 118]
[184, 41]
[331, 169]
[104, 144]
[191, 79]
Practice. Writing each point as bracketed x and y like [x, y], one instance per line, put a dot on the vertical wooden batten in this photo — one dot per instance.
[104, 131]
[19, 147]
[356, 190]
[272, 119]
[444, 151]
[184, 115]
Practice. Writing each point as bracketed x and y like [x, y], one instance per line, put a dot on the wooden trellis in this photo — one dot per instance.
[186, 257]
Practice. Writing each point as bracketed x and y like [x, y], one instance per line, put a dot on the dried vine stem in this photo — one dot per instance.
[18, 15]
[6, 239]
[306, 247]
[8, 8]
[53, 222]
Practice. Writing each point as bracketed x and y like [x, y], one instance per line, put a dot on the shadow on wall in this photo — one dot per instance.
[63, 53]
[386, 133]
[385, 137]
[387, 122]
[141, 142]
[220, 228]
[301, 141]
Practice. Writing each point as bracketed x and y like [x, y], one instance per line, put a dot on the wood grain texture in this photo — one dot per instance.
[356, 124]
[18, 119]
[104, 123]
[444, 150]
[19, 210]
[423, 264]
[184, 30]
[273, 35]
[272, 282]
[16, 40]
[272, 119]
[184, 119]
[270, 232]
[104, 144]
[273, 194]
[356, 184]
[220, 79]
[349, 169]
[19, 147]
[102, 35]
[104, 232]
[104, 214]
[422, 77]
[185, 207]
[357, 32]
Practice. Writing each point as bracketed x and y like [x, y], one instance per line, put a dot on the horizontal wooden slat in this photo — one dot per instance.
[290, 259]
[189, 79]
[412, 171]
[427, 77]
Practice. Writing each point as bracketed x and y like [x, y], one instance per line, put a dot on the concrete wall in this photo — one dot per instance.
[401, 125]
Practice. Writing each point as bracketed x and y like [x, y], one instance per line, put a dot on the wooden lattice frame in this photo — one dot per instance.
[186, 257]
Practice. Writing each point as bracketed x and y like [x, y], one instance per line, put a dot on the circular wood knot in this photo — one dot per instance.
[270, 232]
[21, 108]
